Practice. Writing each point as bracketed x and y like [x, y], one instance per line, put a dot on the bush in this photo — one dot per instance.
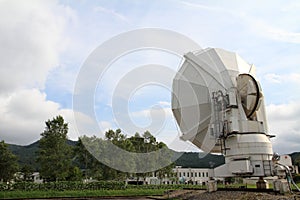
[62, 186]
[78, 185]
[4, 186]
[163, 186]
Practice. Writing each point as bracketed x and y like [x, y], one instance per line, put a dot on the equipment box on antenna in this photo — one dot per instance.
[240, 167]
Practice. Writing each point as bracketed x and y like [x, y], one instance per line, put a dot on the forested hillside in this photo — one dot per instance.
[27, 156]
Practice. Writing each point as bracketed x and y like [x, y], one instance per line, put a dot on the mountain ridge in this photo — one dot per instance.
[27, 156]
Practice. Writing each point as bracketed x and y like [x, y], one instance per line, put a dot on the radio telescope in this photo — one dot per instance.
[219, 107]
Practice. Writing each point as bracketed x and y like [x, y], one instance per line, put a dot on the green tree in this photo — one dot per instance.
[27, 172]
[8, 163]
[138, 144]
[90, 150]
[74, 174]
[148, 143]
[54, 155]
[121, 141]
[91, 166]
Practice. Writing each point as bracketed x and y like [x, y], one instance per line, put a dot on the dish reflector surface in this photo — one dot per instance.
[202, 74]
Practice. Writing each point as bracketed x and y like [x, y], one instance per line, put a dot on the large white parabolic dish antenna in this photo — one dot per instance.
[208, 82]
[219, 106]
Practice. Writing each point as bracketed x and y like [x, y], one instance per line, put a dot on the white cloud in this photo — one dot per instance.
[77, 122]
[105, 125]
[254, 21]
[273, 78]
[284, 122]
[62, 79]
[165, 103]
[31, 37]
[155, 119]
[130, 71]
[204, 7]
[24, 112]
[283, 78]
[291, 6]
[155, 111]
[111, 12]
[267, 30]
[23, 115]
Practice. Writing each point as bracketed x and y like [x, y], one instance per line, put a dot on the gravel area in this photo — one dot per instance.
[229, 195]
[199, 195]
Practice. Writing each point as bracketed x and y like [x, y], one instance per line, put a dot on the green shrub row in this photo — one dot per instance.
[164, 186]
[77, 185]
[61, 186]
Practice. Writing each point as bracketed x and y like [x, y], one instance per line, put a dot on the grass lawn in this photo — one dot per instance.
[294, 188]
[92, 193]
[80, 193]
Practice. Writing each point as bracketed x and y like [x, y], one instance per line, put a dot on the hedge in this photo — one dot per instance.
[63, 185]
[77, 185]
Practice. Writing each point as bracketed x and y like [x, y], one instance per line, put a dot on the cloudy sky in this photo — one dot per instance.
[44, 45]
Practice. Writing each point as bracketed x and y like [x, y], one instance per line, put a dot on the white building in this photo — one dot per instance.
[194, 176]
[36, 177]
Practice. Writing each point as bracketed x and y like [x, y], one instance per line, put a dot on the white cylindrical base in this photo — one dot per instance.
[212, 186]
[281, 186]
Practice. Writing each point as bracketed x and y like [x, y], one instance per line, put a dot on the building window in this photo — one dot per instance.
[192, 174]
[183, 173]
[195, 174]
[206, 174]
[203, 174]
[188, 174]
[179, 174]
[199, 174]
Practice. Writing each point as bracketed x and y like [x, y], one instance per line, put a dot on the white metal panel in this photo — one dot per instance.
[240, 167]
